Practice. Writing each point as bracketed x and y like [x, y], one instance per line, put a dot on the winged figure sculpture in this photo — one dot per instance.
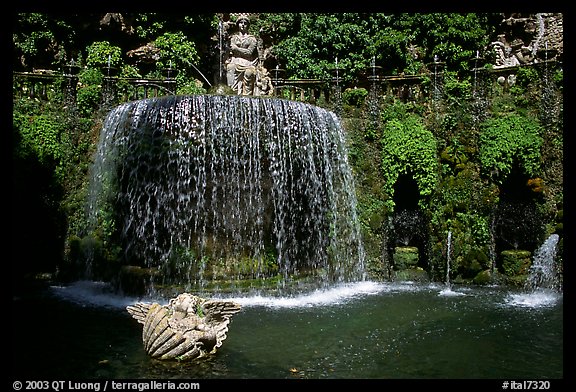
[188, 327]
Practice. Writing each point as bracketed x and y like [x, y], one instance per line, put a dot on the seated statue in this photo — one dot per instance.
[241, 67]
[245, 72]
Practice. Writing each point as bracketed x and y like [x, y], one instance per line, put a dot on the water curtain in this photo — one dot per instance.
[227, 187]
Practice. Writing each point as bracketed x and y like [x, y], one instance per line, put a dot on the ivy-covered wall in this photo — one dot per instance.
[471, 167]
[469, 153]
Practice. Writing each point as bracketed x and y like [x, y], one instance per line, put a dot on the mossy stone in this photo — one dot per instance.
[515, 261]
[483, 277]
[405, 257]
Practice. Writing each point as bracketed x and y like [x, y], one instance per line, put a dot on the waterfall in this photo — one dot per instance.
[543, 272]
[227, 187]
[543, 287]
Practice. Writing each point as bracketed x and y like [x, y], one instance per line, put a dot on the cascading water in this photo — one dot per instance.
[227, 187]
[543, 272]
[543, 286]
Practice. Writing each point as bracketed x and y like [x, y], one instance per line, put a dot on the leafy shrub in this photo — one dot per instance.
[102, 54]
[89, 94]
[509, 139]
[354, 96]
[408, 147]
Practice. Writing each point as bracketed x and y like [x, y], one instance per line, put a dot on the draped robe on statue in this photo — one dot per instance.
[241, 70]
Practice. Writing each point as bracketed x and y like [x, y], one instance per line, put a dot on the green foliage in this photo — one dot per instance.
[515, 262]
[39, 137]
[457, 89]
[176, 51]
[461, 203]
[309, 44]
[354, 96]
[509, 139]
[191, 88]
[526, 76]
[306, 44]
[149, 25]
[558, 78]
[407, 147]
[123, 87]
[454, 37]
[89, 93]
[400, 42]
[41, 40]
[60, 143]
[102, 54]
[525, 89]
[34, 34]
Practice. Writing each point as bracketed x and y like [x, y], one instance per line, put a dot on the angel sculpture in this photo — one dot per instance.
[188, 327]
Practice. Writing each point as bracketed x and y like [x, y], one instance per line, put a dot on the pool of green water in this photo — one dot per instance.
[365, 330]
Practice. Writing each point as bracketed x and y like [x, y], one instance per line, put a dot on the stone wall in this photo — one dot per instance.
[527, 39]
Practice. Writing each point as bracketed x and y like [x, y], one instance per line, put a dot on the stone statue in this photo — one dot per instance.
[241, 68]
[263, 82]
[503, 55]
[188, 327]
[245, 73]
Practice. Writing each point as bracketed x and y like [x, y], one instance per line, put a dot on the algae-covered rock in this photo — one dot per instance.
[483, 277]
[405, 257]
[417, 274]
[515, 261]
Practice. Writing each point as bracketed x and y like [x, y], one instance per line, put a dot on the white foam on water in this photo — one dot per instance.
[94, 293]
[322, 297]
[448, 292]
[101, 294]
[535, 299]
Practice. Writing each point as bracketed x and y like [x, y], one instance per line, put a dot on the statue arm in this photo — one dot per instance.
[247, 51]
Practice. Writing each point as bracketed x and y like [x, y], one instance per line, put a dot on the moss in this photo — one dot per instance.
[405, 257]
[412, 274]
[483, 278]
[515, 262]
[473, 263]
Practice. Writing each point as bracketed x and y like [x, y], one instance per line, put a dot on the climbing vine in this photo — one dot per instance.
[407, 147]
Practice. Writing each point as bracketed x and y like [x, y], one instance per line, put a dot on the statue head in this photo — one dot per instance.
[242, 17]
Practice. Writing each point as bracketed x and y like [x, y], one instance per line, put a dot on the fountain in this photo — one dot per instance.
[220, 52]
[227, 188]
[543, 287]
[437, 82]
[448, 258]
[447, 290]
[550, 113]
[543, 273]
[337, 88]
[108, 93]
[374, 97]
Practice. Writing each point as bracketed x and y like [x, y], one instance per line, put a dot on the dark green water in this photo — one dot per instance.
[363, 331]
